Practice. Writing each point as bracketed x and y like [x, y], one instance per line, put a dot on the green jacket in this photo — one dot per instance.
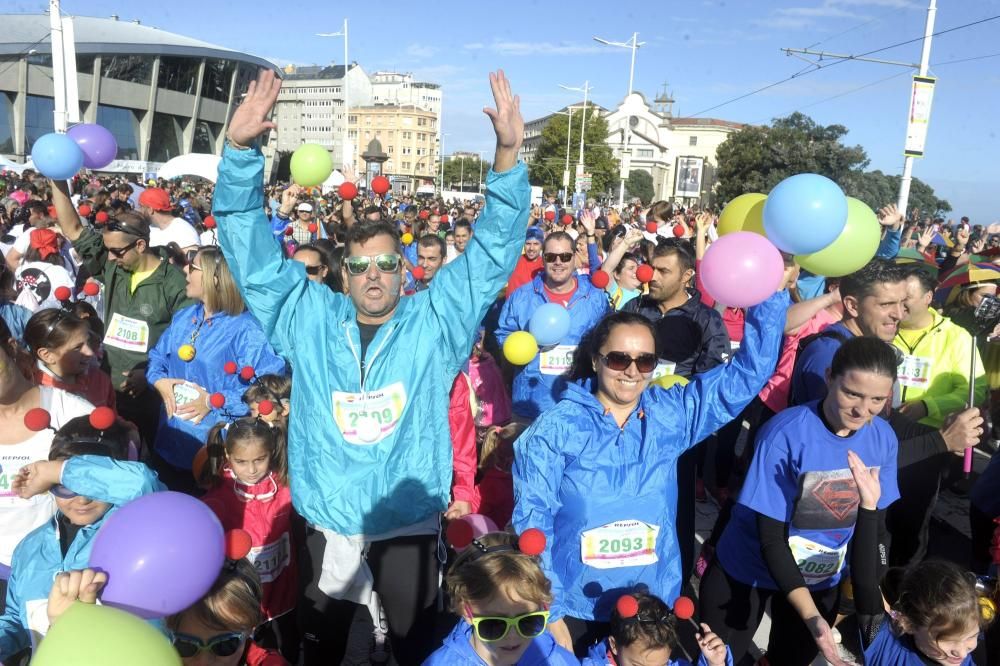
[133, 322]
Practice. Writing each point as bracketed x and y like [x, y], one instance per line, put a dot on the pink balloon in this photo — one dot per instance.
[742, 269]
[480, 524]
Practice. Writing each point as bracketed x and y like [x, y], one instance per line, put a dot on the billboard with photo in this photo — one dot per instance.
[690, 171]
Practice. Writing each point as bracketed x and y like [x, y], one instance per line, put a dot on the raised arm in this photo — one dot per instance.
[66, 215]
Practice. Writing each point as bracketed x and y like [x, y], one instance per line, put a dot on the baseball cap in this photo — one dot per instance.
[534, 233]
[306, 207]
[155, 198]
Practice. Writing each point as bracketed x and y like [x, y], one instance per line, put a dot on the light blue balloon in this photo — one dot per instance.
[549, 324]
[57, 156]
[804, 213]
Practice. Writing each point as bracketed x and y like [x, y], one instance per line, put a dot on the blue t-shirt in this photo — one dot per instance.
[888, 649]
[800, 476]
[809, 374]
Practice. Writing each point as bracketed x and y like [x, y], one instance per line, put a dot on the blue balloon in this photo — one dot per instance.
[57, 156]
[549, 324]
[804, 213]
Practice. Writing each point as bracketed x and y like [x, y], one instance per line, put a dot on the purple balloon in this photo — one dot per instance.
[742, 269]
[98, 144]
[162, 553]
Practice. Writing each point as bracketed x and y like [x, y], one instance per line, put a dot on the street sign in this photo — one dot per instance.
[584, 182]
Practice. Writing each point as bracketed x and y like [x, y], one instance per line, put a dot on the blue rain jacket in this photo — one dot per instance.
[38, 558]
[344, 476]
[598, 656]
[538, 388]
[576, 472]
[458, 651]
[222, 338]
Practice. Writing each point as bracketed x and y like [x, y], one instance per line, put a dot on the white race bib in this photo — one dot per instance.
[914, 371]
[368, 418]
[816, 562]
[271, 559]
[183, 394]
[623, 543]
[662, 369]
[556, 361]
[127, 333]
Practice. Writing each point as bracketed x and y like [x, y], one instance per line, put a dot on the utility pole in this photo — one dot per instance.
[626, 160]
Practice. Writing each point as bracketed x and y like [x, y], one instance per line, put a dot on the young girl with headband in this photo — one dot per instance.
[247, 473]
[498, 589]
[64, 350]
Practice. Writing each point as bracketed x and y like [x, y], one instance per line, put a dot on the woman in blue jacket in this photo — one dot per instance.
[89, 475]
[186, 366]
[597, 473]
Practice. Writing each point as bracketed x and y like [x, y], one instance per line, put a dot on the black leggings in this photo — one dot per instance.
[405, 571]
[733, 610]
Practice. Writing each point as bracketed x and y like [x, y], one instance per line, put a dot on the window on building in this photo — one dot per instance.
[693, 141]
[406, 166]
[352, 134]
[646, 153]
[180, 74]
[352, 119]
[422, 122]
[38, 118]
[131, 68]
[205, 134]
[42, 59]
[218, 77]
[167, 137]
[389, 149]
[85, 63]
[407, 135]
[124, 125]
[6, 124]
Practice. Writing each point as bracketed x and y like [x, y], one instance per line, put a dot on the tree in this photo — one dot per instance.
[640, 184]
[462, 173]
[546, 168]
[755, 159]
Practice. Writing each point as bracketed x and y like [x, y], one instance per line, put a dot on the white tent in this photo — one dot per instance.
[333, 181]
[191, 164]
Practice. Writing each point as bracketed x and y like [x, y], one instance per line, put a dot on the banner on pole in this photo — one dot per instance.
[920, 115]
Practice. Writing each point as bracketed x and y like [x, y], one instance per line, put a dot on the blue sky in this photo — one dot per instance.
[708, 51]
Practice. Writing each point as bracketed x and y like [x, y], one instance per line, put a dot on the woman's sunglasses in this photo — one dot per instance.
[223, 645]
[386, 263]
[564, 257]
[62, 492]
[619, 361]
[492, 629]
[314, 270]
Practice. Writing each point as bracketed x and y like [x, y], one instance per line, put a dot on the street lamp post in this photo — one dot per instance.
[633, 44]
[583, 127]
[480, 170]
[345, 139]
[441, 159]
[569, 129]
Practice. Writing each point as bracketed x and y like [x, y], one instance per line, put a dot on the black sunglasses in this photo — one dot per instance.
[564, 257]
[120, 252]
[314, 270]
[619, 361]
[116, 225]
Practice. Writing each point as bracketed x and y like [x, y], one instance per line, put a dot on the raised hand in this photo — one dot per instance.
[508, 125]
[252, 116]
[72, 586]
[589, 221]
[869, 487]
[889, 216]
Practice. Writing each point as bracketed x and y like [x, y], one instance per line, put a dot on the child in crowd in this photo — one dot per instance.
[218, 629]
[643, 631]
[277, 389]
[494, 491]
[89, 475]
[247, 475]
[502, 596]
[64, 349]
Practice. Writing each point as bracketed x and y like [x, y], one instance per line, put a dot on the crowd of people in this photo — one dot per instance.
[329, 375]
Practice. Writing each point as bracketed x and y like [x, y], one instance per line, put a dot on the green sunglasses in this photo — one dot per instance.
[492, 629]
[385, 263]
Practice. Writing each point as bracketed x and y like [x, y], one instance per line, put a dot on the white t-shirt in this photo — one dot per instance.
[18, 517]
[178, 231]
[209, 237]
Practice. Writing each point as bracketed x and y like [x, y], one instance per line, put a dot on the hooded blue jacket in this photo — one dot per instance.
[221, 338]
[575, 470]
[598, 656]
[38, 558]
[536, 391]
[402, 474]
[458, 651]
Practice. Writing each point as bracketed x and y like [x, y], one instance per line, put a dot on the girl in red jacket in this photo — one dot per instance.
[247, 473]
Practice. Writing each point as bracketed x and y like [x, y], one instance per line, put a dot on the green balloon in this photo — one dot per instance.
[91, 635]
[311, 165]
[854, 247]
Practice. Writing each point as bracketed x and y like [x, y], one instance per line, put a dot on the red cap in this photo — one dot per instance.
[230, 368]
[217, 400]
[265, 407]
[459, 534]
[418, 272]
[101, 217]
[209, 222]
[644, 273]
[91, 288]
[347, 190]
[600, 279]
[238, 544]
[102, 418]
[246, 372]
[684, 608]
[156, 198]
[62, 294]
[651, 227]
[531, 541]
[627, 606]
[37, 419]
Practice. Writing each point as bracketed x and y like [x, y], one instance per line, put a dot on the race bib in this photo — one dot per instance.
[368, 418]
[623, 543]
[270, 560]
[914, 371]
[816, 562]
[556, 361]
[9, 467]
[662, 369]
[183, 394]
[127, 333]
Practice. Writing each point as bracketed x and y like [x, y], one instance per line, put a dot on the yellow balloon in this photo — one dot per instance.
[853, 248]
[744, 213]
[520, 347]
[666, 381]
[407, 238]
[185, 353]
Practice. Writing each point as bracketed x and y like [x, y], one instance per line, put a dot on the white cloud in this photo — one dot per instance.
[420, 51]
[824, 11]
[474, 46]
[509, 48]
[783, 22]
